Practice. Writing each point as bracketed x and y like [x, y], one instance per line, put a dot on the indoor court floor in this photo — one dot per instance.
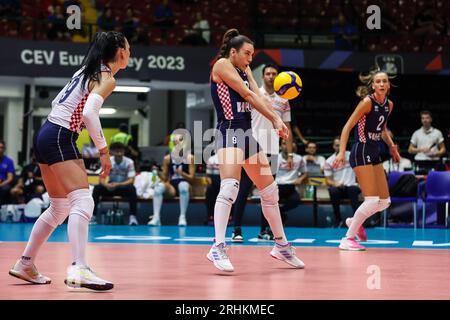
[169, 263]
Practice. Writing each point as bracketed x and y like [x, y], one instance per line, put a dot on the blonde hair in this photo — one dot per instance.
[367, 80]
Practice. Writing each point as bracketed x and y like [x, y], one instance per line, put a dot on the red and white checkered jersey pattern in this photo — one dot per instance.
[361, 128]
[224, 95]
[76, 121]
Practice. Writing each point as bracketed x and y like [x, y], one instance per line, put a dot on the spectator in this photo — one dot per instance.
[402, 165]
[345, 34]
[314, 163]
[164, 18]
[169, 140]
[200, 33]
[7, 173]
[106, 22]
[177, 176]
[121, 179]
[427, 143]
[126, 139]
[342, 183]
[56, 24]
[146, 181]
[213, 178]
[30, 184]
[129, 26]
[288, 179]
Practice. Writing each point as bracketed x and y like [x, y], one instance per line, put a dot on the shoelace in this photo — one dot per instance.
[223, 252]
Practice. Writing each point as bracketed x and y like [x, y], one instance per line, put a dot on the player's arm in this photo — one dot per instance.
[442, 150]
[165, 169]
[363, 107]
[393, 148]
[225, 71]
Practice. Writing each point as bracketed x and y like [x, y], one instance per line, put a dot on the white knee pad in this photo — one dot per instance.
[81, 203]
[269, 195]
[369, 206]
[160, 188]
[57, 212]
[229, 189]
[383, 204]
[183, 187]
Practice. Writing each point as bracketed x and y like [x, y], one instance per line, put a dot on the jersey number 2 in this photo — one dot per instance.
[381, 119]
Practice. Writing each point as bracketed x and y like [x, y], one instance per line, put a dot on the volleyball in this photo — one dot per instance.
[287, 85]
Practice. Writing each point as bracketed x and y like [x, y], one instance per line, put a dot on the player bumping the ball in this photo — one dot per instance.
[235, 92]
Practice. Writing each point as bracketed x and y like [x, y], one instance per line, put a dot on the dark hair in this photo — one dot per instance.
[117, 146]
[311, 142]
[232, 39]
[337, 138]
[367, 80]
[123, 127]
[3, 143]
[425, 112]
[269, 65]
[102, 49]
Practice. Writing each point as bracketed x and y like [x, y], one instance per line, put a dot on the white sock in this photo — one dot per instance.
[77, 230]
[271, 211]
[39, 235]
[364, 211]
[158, 200]
[183, 189]
[47, 222]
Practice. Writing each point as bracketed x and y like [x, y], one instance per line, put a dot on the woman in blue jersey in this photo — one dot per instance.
[234, 92]
[75, 107]
[370, 116]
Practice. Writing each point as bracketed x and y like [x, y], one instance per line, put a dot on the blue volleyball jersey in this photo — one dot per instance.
[173, 167]
[229, 104]
[371, 125]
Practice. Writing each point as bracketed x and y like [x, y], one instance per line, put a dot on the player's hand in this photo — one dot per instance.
[106, 165]
[339, 161]
[281, 128]
[393, 150]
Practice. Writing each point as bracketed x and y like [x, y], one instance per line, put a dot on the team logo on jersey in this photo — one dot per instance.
[376, 108]
[386, 108]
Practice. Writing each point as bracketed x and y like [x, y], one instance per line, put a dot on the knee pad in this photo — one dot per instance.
[57, 212]
[183, 187]
[160, 189]
[229, 189]
[81, 203]
[384, 204]
[369, 206]
[269, 195]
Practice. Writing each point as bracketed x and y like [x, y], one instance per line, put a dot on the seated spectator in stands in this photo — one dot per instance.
[7, 173]
[314, 163]
[178, 171]
[200, 33]
[120, 183]
[147, 180]
[164, 18]
[345, 34]
[56, 24]
[30, 184]
[403, 165]
[288, 179]
[427, 143]
[342, 183]
[429, 22]
[129, 26]
[213, 178]
[127, 140]
[106, 21]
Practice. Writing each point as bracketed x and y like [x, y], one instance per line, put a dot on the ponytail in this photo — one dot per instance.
[232, 39]
[102, 49]
[367, 80]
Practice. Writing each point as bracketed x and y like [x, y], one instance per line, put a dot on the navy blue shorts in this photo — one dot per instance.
[53, 144]
[237, 134]
[363, 154]
[175, 183]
